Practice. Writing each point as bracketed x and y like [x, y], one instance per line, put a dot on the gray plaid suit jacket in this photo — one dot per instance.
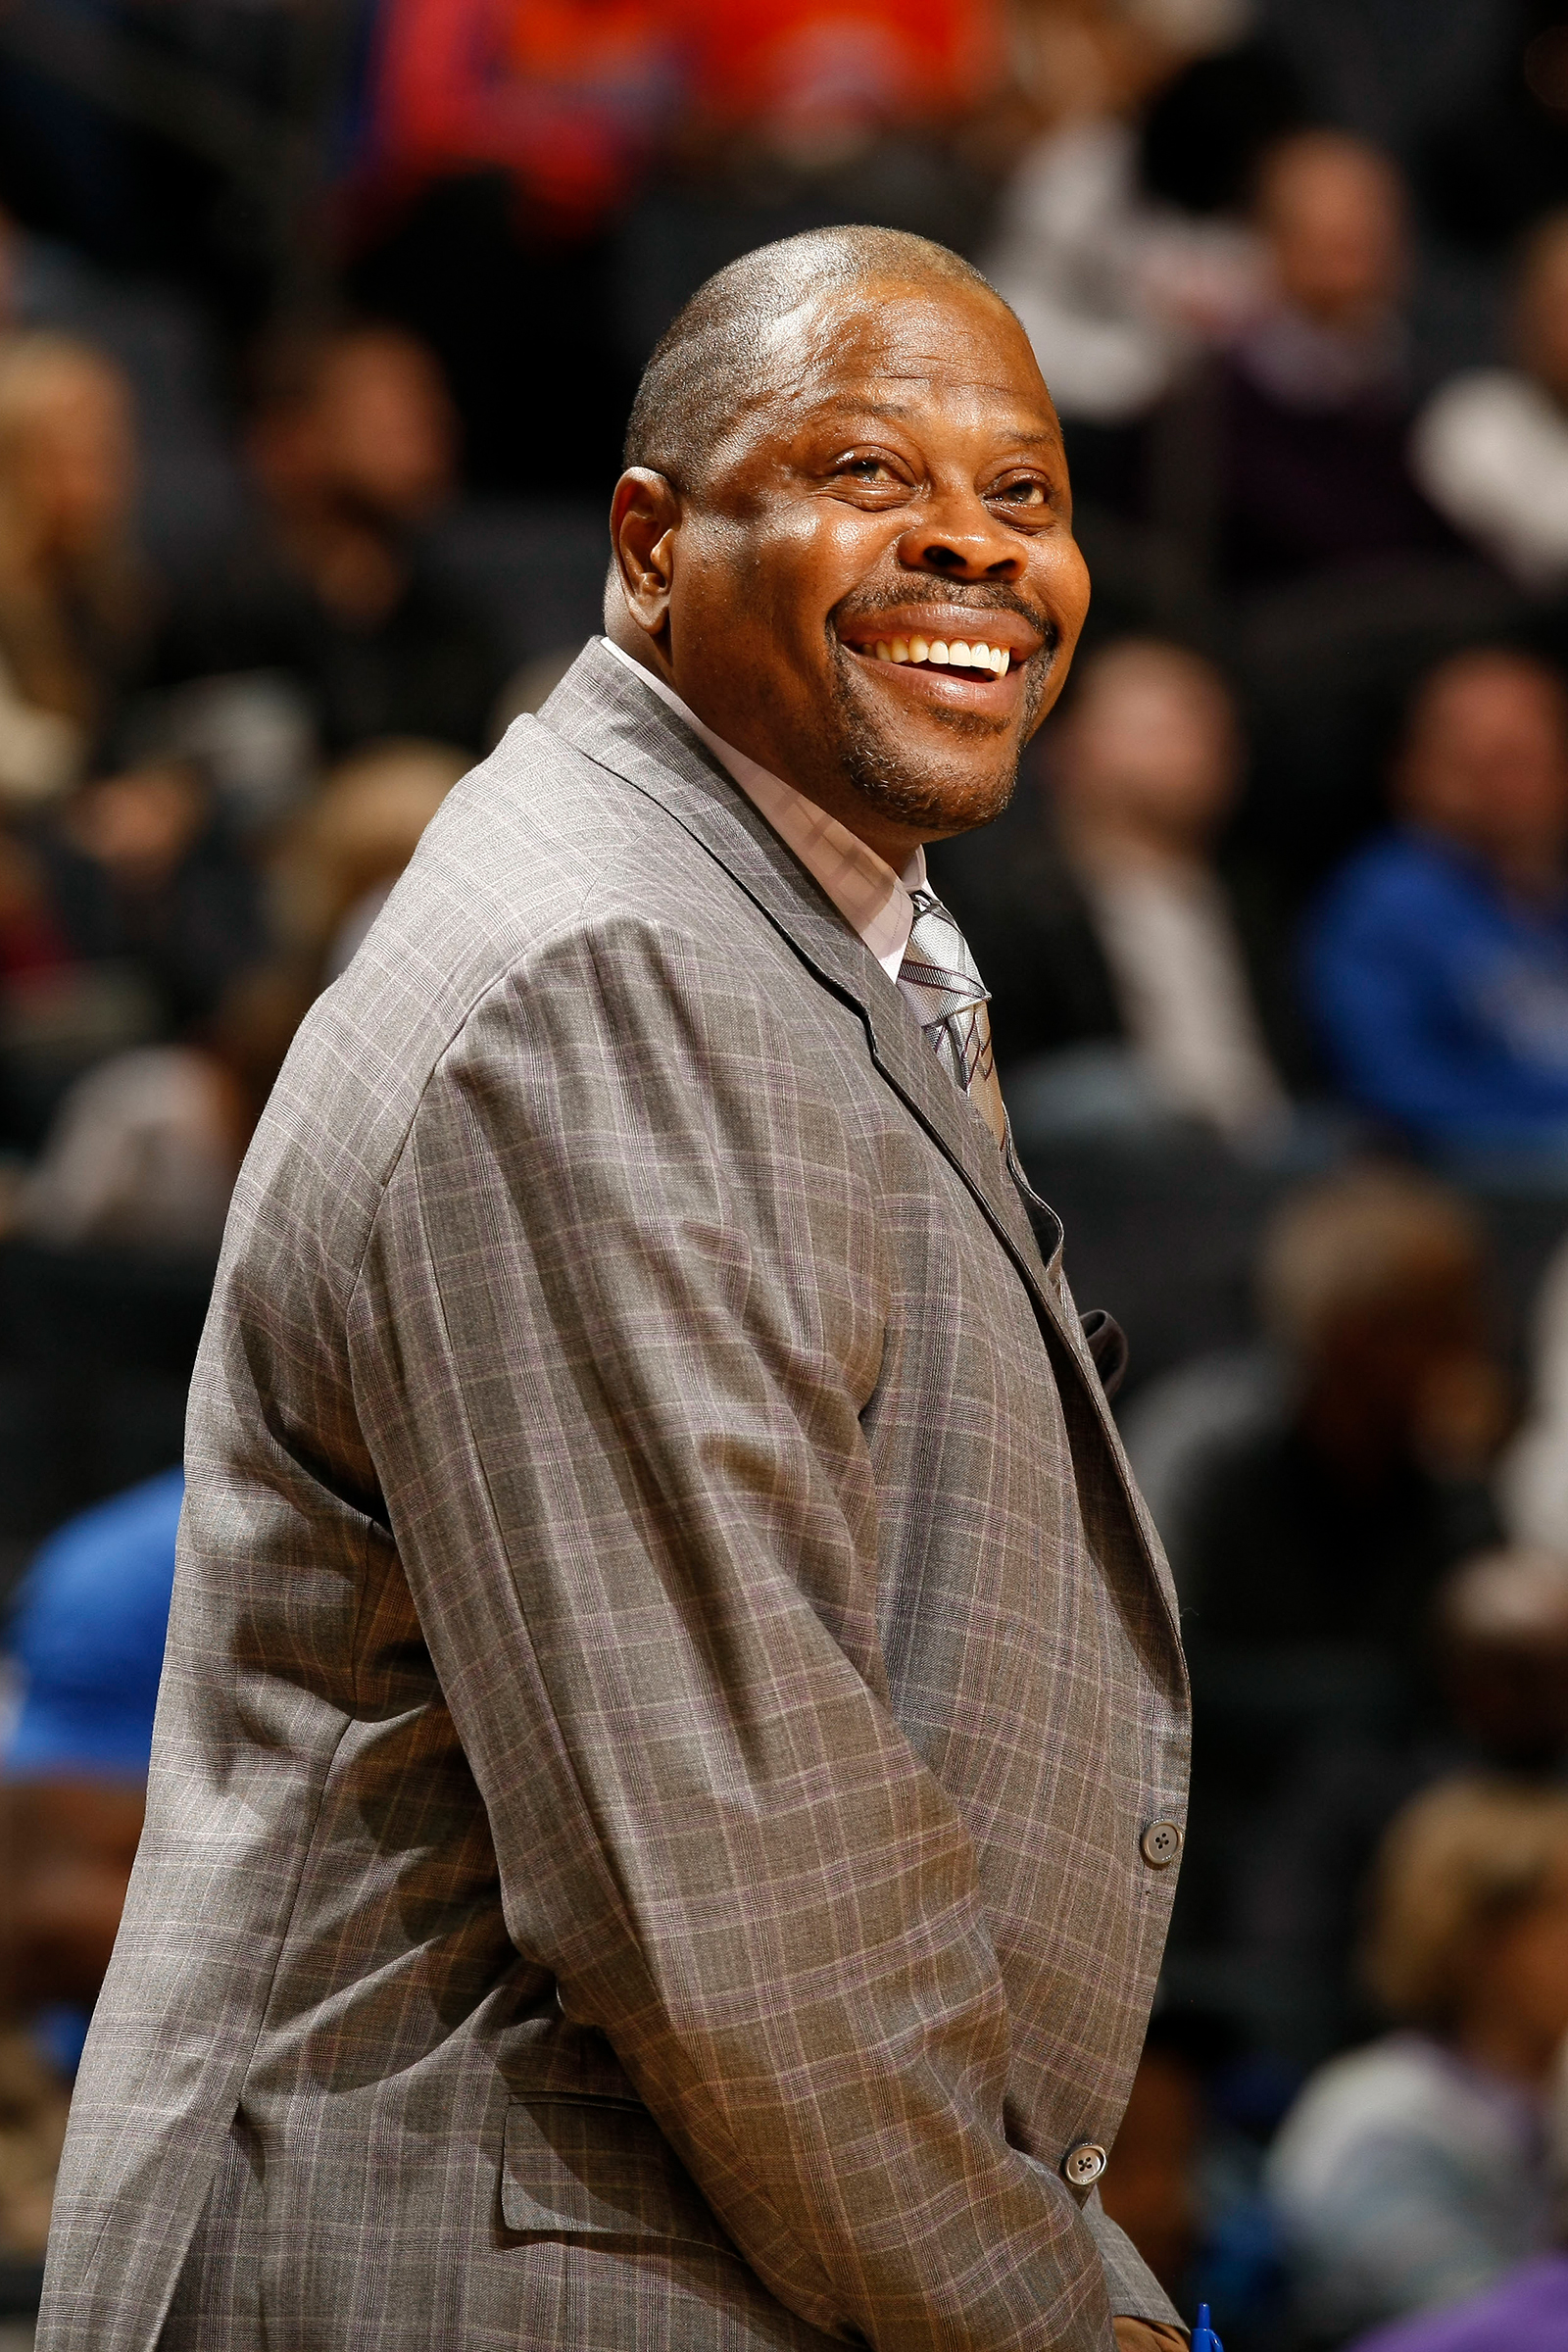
[667, 1670]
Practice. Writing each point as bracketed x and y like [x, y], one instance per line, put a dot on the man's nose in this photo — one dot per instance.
[961, 539]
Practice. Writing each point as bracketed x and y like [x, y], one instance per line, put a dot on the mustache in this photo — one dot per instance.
[974, 596]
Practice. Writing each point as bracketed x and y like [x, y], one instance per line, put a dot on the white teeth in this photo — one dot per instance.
[953, 655]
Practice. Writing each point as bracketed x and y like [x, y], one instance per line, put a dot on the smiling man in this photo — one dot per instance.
[673, 1748]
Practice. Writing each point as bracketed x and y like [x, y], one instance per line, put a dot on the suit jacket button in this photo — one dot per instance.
[1161, 1843]
[1083, 2165]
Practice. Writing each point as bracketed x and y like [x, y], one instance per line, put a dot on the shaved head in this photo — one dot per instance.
[844, 534]
[712, 363]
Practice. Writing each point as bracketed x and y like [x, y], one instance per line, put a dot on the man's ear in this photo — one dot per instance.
[644, 521]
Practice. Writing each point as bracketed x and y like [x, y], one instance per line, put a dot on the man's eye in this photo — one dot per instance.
[871, 470]
[1023, 493]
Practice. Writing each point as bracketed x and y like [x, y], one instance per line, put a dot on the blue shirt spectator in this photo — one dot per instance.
[87, 1634]
[1443, 999]
[1437, 964]
[86, 1638]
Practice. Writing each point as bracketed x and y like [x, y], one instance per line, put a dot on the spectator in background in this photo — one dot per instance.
[1437, 964]
[1527, 2311]
[799, 114]
[1532, 1474]
[1156, 2195]
[1314, 398]
[188, 474]
[353, 446]
[501, 139]
[72, 597]
[145, 877]
[144, 1148]
[1116, 292]
[142, 1154]
[1495, 1643]
[809, 81]
[126, 914]
[1096, 911]
[1491, 448]
[86, 1637]
[1321, 1498]
[336, 865]
[564, 100]
[1500, 1641]
[1185, 2187]
[33, 2104]
[1409, 2172]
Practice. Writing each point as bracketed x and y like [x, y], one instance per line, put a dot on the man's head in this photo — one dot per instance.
[67, 447]
[1373, 1283]
[1333, 212]
[1501, 1631]
[842, 445]
[358, 416]
[1150, 750]
[1467, 1933]
[1485, 761]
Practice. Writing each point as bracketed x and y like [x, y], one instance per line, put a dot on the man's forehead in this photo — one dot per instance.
[900, 353]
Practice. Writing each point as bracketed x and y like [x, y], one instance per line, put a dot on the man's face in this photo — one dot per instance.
[1488, 763]
[1152, 744]
[384, 427]
[897, 483]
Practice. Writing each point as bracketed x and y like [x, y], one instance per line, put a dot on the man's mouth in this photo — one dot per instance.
[931, 645]
[943, 653]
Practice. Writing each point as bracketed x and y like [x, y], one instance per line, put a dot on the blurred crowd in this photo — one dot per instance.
[308, 413]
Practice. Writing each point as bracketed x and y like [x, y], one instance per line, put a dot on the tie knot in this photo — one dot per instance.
[938, 971]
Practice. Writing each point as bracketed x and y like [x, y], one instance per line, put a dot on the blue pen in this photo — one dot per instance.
[1203, 2337]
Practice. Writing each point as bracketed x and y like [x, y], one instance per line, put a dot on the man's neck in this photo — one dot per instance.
[896, 845]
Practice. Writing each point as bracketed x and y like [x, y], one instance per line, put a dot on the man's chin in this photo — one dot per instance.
[932, 775]
[935, 804]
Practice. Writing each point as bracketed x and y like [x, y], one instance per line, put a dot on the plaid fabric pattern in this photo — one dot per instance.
[667, 1671]
[939, 977]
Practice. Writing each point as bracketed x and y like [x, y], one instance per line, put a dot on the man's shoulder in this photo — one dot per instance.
[540, 845]
[543, 874]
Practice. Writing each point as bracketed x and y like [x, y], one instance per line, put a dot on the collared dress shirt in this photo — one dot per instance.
[872, 899]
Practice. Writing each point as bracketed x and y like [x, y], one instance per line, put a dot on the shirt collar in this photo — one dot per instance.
[872, 899]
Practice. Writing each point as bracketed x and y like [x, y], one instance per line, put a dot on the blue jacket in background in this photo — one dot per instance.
[87, 1634]
[1441, 998]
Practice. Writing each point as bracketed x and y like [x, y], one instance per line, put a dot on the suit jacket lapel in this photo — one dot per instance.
[601, 708]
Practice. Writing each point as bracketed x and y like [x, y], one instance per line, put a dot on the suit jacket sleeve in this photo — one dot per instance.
[612, 1338]
[1135, 2292]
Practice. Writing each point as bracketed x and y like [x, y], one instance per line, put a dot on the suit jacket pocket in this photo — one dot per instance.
[599, 2169]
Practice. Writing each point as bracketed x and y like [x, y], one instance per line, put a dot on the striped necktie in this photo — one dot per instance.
[949, 999]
